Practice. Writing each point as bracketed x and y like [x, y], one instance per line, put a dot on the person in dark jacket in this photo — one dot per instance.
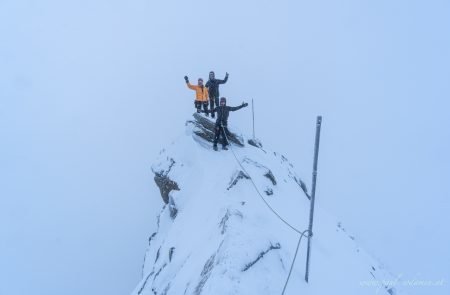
[221, 127]
[213, 89]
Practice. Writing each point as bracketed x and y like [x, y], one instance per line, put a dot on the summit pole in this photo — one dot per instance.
[313, 194]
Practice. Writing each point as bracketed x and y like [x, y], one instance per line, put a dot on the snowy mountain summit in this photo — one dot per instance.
[216, 234]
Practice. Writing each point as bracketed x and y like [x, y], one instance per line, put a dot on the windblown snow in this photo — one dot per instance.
[216, 236]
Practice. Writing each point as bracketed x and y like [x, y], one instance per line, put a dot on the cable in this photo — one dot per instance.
[295, 256]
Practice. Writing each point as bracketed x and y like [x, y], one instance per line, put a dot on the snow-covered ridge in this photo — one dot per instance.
[216, 236]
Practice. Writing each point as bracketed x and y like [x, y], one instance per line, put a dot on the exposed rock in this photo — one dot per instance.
[235, 179]
[157, 255]
[224, 222]
[391, 291]
[301, 184]
[171, 250]
[293, 176]
[159, 271]
[269, 191]
[204, 276]
[267, 172]
[151, 238]
[172, 208]
[271, 177]
[145, 283]
[205, 129]
[255, 142]
[164, 183]
[261, 255]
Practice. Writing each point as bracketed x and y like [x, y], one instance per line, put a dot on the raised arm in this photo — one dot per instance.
[243, 105]
[189, 84]
[224, 80]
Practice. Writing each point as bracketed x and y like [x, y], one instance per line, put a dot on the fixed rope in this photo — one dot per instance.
[302, 233]
[295, 256]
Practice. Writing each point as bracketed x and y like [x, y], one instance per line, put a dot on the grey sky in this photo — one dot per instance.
[90, 91]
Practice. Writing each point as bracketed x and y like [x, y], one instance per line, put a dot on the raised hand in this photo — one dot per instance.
[186, 79]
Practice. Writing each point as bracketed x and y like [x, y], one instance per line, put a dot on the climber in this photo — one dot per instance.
[201, 94]
[221, 127]
[213, 89]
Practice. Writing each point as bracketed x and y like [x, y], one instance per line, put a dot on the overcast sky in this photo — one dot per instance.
[90, 91]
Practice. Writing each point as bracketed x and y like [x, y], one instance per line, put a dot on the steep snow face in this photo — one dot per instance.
[215, 234]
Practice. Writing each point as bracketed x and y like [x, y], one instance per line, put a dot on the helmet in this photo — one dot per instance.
[223, 101]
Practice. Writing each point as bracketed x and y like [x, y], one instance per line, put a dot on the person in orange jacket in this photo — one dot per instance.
[201, 94]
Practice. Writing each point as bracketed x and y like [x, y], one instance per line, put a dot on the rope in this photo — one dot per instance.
[302, 234]
[295, 256]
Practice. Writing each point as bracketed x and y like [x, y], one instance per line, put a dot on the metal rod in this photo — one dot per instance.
[253, 113]
[313, 194]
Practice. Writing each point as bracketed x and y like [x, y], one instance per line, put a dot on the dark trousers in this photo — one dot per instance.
[212, 101]
[198, 105]
[221, 130]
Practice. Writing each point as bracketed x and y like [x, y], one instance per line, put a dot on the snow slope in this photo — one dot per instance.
[216, 236]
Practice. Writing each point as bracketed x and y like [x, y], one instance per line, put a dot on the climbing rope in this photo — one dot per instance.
[295, 256]
[302, 234]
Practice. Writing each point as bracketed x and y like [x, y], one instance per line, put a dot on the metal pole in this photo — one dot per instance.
[313, 194]
[253, 113]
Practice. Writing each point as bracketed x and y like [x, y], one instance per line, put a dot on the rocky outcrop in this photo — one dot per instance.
[261, 255]
[204, 128]
[204, 276]
[236, 177]
[164, 183]
[255, 142]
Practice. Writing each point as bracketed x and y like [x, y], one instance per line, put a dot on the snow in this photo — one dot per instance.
[225, 240]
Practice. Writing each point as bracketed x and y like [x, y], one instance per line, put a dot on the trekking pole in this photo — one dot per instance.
[253, 113]
[313, 194]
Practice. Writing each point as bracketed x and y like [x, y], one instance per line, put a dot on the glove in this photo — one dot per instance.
[186, 79]
[244, 104]
[226, 74]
